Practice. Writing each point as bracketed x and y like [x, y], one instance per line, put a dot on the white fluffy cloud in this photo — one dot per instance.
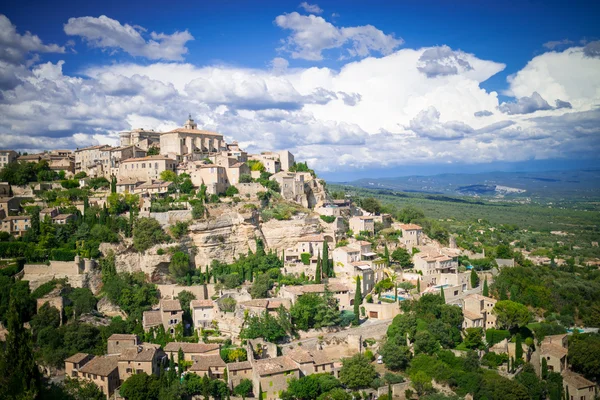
[311, 8]
[411, 106]
[14, 46]
[311, 35]
[107, 33]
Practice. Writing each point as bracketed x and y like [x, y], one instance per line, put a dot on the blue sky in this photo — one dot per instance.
[274, 74]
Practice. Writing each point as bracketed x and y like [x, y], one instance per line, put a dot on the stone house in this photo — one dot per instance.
[203, 313]
[111, 158]
[384, 219]
[429, 263]
[260, 306]
[146, 168]
[273, 375]
[292, 186]
[102, 371]
[16, 225]
[312, 244]
[411, 234]
[145, 357]
[63, 219]
[554, 350]
[191, 351]
[311, 362]
[362, 224]
[212, 175]
[578, 387]
[210, 365]
[340, 291]
[233, 167]
[5, 190]
[7, 156]
[153, 189]
[89, 160]
[139, 137]
[477, 312]
[234, 150]
[169, 314]
[66, 164]
[128, 185]
[118, 342]
[238, 371]
[50, 212]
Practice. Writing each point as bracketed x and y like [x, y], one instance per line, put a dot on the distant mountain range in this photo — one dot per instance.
[580, 184]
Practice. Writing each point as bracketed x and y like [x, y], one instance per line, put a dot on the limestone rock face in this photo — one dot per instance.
[280, 235]
[223, 237]
[106, 307]
[155, 266]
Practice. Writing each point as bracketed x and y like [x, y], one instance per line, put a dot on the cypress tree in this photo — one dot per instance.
[389, 392]
[326, 265]
[113, 184]
[443, 295]
[86, 204]
[260, 392]
[544, 368]
[486, 290]
[171, 375]
[518, 347]
[474, 279]
[395, 292]
[357, 302]
[318, 271]
[386, 255]
[180, 358]
[418, 285]
[567, 397]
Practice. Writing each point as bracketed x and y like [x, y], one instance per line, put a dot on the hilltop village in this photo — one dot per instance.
[177, 265]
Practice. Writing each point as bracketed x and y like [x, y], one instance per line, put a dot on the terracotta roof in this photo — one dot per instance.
[143, 352]
[480, 297]
[300, 355]
[148, 158]
[266, 303]
[348, 249]
[100, 146]
[471, 315]
[201, 303]
[122, 336]
[320, 357]
[312, 238]
[77, 358]
[194, 131]
[410, 227]
[152, 318]
[554, 351]
[203, 363]
[238, 366]
[63, 216]
[102, 366]
[191, 347]
[576, 380]
[17, 217]
[317, 288]
[170, 305]
[274, 365]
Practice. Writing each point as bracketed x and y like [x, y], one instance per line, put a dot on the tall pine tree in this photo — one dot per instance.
[418, 285]
[357, 302]
[443, 295]
[486, 290]
[474, 279]
[326, 266]
[386, 255]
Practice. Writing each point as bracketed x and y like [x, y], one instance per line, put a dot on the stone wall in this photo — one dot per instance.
[171, 217]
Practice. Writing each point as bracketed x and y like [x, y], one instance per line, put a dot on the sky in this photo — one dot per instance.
[355, 88]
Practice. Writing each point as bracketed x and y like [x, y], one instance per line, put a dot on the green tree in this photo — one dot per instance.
[140, 387]
[180, 264]
[402, 257]
[395, 355]
[231, 191]
[318, 271]
[311, 386]
[421, 382]
[443, 295]
[584, 355]
[168, 176]
[357, 372]
[261, 286]
[474, 339]
[147, 232]
[386, 254]
[426, 343]
[113, 184]
[19, 375]
[544, 368]
[357, 302]
[371, 205]
[327, 270]
[82, 390]
[474, 279]
[418, 285]
[244, 388]
[260, 392]
[486, 290]
[518, 347]
[511, 314]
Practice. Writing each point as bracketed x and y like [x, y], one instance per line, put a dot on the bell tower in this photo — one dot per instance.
[190, 124]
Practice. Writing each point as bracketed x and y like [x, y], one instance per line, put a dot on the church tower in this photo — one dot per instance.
[190, 124]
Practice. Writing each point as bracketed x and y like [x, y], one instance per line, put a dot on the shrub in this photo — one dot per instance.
[160, 252]
[305, 257]
[493, 336]
[328, 218]
[245, 178]
[231, 191]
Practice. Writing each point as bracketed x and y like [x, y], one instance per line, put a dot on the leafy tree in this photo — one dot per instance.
[82, 390]
[113, 184]
[314, 311]
[261, 286]
[180, 264]
[402, 257]
[179, 229]
[335, 394]
[147, 232]
[426, 343]
[474, 339]
[186, 186]
[168, 176]
[371, 205]
[544, 368]
[474, 279]
[357, 302]
[311, 386]
[244, 388]
[395, 355]
[511, 314]
[83, 301]
[402, 325]
[421, 383]
[357, 372]
[231, 191]
[584, 355]
[245, 178]
[265, 326]
[140, 387]
[19, 375]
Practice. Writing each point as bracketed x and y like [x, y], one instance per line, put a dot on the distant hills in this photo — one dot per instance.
[564, 185]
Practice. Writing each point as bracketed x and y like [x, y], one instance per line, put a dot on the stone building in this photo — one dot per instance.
[554, 350]
[145, 357]
[238, 371]
[362, 224]
[477, 312]
[203, 313]
[411, 234]
[7, 156]
[211, 175]
[191, 351]
[140, 137]
[190, 140]
[102, 371]
[578, 387]
[89, 160]
[111, 158]
[146, 168]
[169, 315]
[118, 342]
[212, 366]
